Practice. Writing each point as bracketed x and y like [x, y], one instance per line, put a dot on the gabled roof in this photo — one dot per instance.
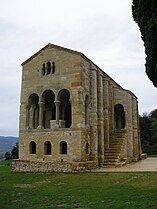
[49, 45]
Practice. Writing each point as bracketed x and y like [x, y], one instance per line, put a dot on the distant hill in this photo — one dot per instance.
[6, 144]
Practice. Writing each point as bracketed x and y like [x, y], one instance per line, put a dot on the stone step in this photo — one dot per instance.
[115, 142]
[110, 165]
[118, 149]
[111, 157]
[111, 161]
[115, 146]
[113, 151]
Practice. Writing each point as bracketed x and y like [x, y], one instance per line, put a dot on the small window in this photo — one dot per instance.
[43, 70]
[47, 148]
[63, 147]
[53, 67]
[87, 148]
[48, 67]
[32, 147]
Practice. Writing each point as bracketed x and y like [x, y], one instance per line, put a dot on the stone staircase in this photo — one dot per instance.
[112, 156]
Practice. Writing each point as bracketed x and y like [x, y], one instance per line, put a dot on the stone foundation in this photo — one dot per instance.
[39, 166]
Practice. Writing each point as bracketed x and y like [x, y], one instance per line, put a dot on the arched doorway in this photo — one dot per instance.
[49, 108]
[119, 116]
[65, 107]
[33, 115]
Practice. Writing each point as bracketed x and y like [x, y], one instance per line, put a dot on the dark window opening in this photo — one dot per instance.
[68, 116]
[63, 147]
[33, 115]
[47, 148]
[87, 148]
[48, 67]
[53, 115]
[32, 148]
[119, 116]
[44, 70]
[53, 67]
[49, 109]
[65, 107]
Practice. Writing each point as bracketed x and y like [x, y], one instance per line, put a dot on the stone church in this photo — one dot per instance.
[73, 116]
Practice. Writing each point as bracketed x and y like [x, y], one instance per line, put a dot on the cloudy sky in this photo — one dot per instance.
[102, 30]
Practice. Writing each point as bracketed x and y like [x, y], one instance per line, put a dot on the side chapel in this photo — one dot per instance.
[73, 116]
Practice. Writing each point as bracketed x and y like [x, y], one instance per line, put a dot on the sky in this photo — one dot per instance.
[102, 30]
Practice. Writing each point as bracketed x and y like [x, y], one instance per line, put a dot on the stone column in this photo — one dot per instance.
[41, 108]
[106, 113]
[111, 109]
[27, 116]
[57, 103]
[100, 120]
[136, 137]
[93, 122]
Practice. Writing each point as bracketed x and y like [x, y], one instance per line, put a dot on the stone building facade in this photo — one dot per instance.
[73, 116]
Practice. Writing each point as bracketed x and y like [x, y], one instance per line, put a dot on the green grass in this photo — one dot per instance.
[155, 155]
[77, 190]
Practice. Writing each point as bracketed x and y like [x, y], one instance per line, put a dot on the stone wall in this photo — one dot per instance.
[92, 96]
[38, 166]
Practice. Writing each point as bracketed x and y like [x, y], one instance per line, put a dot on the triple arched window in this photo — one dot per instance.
[49, 109]
[48, 68]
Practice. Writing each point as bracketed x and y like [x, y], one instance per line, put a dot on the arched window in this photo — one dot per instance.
[43, 70]
[87, 148]
[48, 67]
[33, 120]
[47, 148]
[32, 147]
[53, 67]
[63, 147]
[119, 116]
[50, 108]
[65, 107]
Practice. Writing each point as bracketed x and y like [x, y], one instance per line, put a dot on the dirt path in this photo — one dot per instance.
[147, 165]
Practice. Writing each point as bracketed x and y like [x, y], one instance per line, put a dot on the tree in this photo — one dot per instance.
[14, 152]
[148, 126]
[7, 156]
[145, 15]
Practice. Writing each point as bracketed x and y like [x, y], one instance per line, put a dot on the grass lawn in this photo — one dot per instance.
[77, 190]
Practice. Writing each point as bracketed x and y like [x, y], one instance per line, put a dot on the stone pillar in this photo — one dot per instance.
[106, 113]
[93, 114]
[111, 109]
[129, 126]
[41, 108]
[100, 120]
[57, 103]
[77, 108]
[27, 115]
[136, 137]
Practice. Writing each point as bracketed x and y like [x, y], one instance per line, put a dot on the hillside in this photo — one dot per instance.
[6, 144]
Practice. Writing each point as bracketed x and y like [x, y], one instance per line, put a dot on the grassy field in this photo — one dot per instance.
[77, 190]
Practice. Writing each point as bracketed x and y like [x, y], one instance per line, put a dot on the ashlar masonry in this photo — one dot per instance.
[73, 116]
